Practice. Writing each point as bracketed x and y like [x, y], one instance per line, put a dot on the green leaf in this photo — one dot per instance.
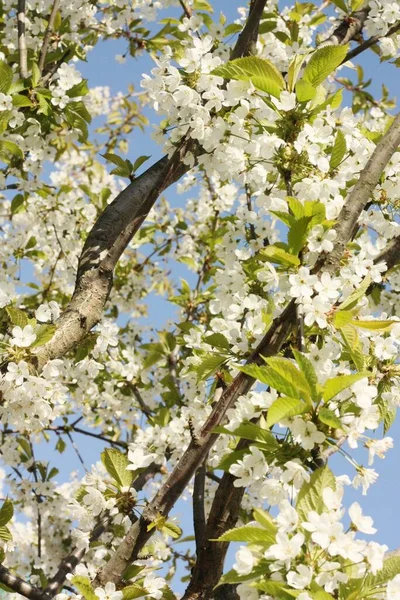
[322, 62]
[115, 462]
[265, 520]
[353, 346]
[248, 533]
[17, 316]
[44, 333]
[338, 151]
[210, 363]
[334, 386]
[6, 512]
[342, 5]
[172, 530]
[230, 459]
[124, 167]
[327, 416]
[61, 445]
[260, 71]
[84, 587]
[270, 377]
[283, 408]
[297, 235]
[9, 151]
[289, 372]
[353, 299]
[391, 568]
[294, 70]
[305, 91]
[310, 494]
[218, 341]
[35, 75]
[134, 590]
[6, 77]
[278, 255]
[373, 325]
[21, 101]
[252, 432]
[138, 162]
[308, 370]
[80, 89]
[5, 534]
[17, 204]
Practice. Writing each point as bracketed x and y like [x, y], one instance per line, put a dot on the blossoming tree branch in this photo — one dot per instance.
[283, 348]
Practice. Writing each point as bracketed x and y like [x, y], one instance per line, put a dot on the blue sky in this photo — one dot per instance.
[102, 69]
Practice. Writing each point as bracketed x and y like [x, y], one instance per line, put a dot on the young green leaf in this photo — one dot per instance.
[6, 512]
[334, 386]
[329, 418]
[322, 62]
[115, 463]
[6, 77]
[310, 494]
[248, 533]
[285, 407]
[338, 151]
[260, 71]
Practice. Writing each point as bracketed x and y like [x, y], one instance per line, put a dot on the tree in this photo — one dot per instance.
[284, 345]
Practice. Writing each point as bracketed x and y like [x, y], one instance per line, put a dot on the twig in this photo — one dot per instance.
[23, 52]
[48, 35]
[75, 447]
[38, 500]
[144, 408]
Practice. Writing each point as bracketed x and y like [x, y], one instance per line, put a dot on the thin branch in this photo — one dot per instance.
[77, 452]
[186, 9]
[371, 42]
[48, 34]
[20, 586]
[23, 52]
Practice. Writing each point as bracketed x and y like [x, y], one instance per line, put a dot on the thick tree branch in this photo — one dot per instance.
[20, 586]
[361, 193]
[347, 30]
[103, 247]
[247, 39]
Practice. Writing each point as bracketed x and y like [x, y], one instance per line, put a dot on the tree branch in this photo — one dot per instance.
[70, 562]
[391, 254]
[23, 52]
[370, 42]
[361, 193]
[347, 30]
[20, 586]
[199, 515]
[48, 35]
[246, 43]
